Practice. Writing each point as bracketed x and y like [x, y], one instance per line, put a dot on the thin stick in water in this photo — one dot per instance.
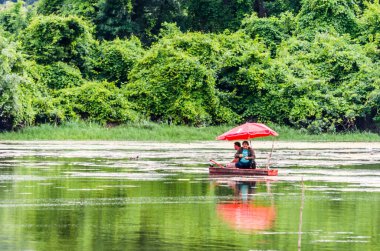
[301, 209]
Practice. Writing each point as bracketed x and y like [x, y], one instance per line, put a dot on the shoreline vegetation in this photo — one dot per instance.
[148, 131]
[305, 64]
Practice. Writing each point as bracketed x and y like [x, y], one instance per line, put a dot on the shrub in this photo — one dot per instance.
[272, 30]
[14, 17]
[116, 59]
[172, 86]
[50, 39]
[322, 15]
[60, 75]
[95, 101]
[321, 85]
[16, 89]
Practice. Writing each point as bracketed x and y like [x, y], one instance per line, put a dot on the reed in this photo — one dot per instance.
[148, 131]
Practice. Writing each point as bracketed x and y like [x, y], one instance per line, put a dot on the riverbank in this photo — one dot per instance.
[167, 133]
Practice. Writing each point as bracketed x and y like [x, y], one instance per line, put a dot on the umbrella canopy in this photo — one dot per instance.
[247, 131]
[247, 217]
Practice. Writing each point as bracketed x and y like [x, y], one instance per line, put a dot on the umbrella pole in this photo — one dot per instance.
[270, 156]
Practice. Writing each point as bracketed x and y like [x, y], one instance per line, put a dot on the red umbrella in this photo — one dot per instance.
[247, 131]
[247, 217]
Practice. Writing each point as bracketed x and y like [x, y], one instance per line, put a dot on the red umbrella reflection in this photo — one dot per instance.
[247, 217]
[242, 214]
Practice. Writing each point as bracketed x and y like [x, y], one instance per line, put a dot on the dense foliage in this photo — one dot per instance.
[102, 102]
[50, 39]
[309, 64]
[116, 58]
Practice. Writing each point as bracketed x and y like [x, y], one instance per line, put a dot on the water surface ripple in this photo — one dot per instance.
[95, 195]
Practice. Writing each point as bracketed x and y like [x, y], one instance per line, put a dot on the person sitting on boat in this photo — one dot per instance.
[237, 147]
[246, 156]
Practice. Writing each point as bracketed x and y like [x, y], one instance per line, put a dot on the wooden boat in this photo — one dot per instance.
[236, 171]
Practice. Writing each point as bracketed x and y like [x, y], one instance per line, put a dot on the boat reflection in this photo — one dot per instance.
[243, 213]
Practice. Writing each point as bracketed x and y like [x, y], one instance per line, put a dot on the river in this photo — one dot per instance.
[92, 195]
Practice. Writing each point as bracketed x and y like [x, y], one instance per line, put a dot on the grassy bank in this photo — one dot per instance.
[159, 132]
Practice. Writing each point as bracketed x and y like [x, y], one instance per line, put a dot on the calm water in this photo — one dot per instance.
[101, 196]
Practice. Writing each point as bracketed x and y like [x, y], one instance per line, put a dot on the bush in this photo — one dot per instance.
[227, 57]
[14, 17]
[60, 75]
[95, 101]
[51, 39]
[322, 15]
[271, 30]
[116, 59]
[172, 86]
[323, 85]
[16, 89]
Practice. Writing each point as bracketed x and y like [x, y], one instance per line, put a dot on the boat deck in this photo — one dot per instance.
[237, 171]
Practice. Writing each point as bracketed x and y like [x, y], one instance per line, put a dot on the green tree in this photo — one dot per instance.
[217, 15]
[149, 15]
[59, 75]
[236, 62]
[50, 39]
[14, 17]
[115, 19]
[84, 8]
[17, 91]
[370, 21]
[116, 59]
[95, 101]
[272, 30]
[277, 7]
[142, 18]
[321, 15]
[172, 85]
[88, 9]
[240, 77]
[369, 34]
[321, 85]
[48, 7]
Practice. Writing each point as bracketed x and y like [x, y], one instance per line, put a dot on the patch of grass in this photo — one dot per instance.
[136, 132]
[290, 134]
[146, 131]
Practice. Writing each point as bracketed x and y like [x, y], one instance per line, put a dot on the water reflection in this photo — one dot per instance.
[95, 196]
[243, 213]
